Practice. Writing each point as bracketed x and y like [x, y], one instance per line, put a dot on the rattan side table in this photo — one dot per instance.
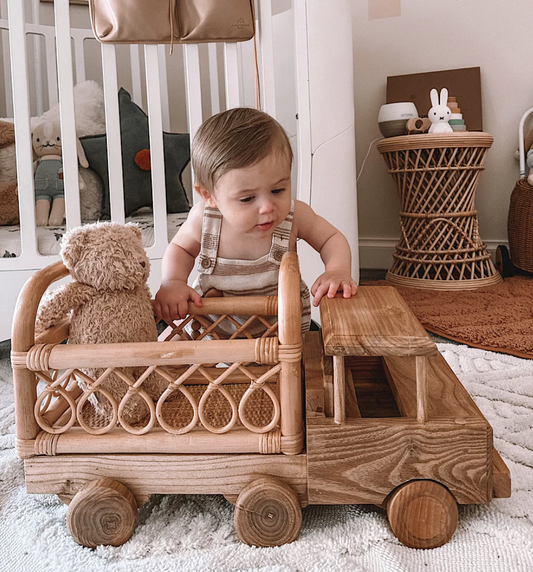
[436, 176]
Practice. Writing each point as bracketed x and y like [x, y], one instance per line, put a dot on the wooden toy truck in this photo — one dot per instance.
[385, 422]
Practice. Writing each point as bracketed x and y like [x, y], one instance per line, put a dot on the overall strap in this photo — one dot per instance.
[281, 238]
[211, 224]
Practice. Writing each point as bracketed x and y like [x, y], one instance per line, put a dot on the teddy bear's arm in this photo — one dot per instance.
[59, 303]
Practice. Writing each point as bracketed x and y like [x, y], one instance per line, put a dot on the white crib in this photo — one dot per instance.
[306, 74]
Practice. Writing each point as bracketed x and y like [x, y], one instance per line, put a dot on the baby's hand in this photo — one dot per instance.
[331, 282]
[171, 302]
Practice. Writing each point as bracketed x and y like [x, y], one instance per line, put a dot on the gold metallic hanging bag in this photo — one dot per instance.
[171, 21]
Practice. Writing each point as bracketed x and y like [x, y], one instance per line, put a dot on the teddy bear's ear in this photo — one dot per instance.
[135, 229]
[72, 246]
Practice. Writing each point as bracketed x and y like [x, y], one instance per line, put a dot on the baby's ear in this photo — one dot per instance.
[205, 194]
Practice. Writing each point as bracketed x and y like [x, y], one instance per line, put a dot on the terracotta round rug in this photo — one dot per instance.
[497, 318]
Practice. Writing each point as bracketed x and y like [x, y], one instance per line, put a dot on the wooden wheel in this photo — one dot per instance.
[422, 514]
[102, 512]
[268, 513]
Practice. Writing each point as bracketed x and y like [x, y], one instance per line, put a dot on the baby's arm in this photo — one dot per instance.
[334, 251]
[171, 301]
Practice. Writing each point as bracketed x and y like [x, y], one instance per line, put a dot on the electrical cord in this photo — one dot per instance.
[366, 157]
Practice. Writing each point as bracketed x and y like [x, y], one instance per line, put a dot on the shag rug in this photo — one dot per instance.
[195, 534]
[497, 318]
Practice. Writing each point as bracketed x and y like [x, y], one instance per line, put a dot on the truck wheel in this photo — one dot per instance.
[422, 514]
[268, 513]
[102, 512]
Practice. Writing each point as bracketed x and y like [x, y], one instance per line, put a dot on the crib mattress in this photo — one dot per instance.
[49, 237]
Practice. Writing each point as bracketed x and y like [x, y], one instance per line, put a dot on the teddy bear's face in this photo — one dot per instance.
[107, 256]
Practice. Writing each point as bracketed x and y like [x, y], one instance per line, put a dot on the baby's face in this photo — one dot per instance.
[256, 199]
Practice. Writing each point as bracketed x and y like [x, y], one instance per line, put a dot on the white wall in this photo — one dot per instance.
[433, 35]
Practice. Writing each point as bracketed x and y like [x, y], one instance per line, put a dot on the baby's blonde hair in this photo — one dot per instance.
[235, 139]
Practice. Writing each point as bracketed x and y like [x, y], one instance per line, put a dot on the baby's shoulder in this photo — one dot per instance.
[302, 214]
[196, 214]
[192, 227]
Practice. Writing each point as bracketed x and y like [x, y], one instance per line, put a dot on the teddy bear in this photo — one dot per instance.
[9, 213]
[108, 301]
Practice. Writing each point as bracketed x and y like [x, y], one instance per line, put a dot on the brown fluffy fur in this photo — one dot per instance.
[9, 211]
[109, 300]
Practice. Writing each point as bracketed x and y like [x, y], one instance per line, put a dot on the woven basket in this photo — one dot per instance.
[436, 176]
[520, 226]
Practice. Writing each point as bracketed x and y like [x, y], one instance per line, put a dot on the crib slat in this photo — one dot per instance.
[7, 65]
[163, 82]
[79, 55]
[51, 76]
[37, 60]
[66, 113]
[194, 93]
[153, 92]
[21, 110]
[213, 78]
[268, 94]
[135, 63]
[232, 76]
[114, 144]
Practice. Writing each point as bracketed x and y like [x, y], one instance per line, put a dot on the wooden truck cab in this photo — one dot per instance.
[389, 423]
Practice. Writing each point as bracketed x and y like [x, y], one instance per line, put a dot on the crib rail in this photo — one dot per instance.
[70, 45]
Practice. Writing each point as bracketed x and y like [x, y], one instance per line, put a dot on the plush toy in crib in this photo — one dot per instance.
[440, 113]
[528, 149]
[48, 176]
[108, 301]
[9, 204]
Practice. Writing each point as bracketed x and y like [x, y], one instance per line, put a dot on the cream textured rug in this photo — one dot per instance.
[195, 534]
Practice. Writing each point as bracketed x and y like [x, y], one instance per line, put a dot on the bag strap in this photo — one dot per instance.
[257, 83]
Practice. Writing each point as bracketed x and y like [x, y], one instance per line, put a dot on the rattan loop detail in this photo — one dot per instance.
[18, 360]
[292, 444]
[202, 414]
[290, 352]
[159, 410]
[43, 424]
[151, 408]
[244, 400]
[79, 411]
[38, 357]
[266, 350]
[46, 443]
[270, 443]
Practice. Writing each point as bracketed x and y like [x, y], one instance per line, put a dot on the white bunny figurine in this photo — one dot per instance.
[440, 113]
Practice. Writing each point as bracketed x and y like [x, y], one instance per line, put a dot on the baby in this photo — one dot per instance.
[246, 220]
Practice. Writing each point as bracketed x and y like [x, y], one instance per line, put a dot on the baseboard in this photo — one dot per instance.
[377, 252]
